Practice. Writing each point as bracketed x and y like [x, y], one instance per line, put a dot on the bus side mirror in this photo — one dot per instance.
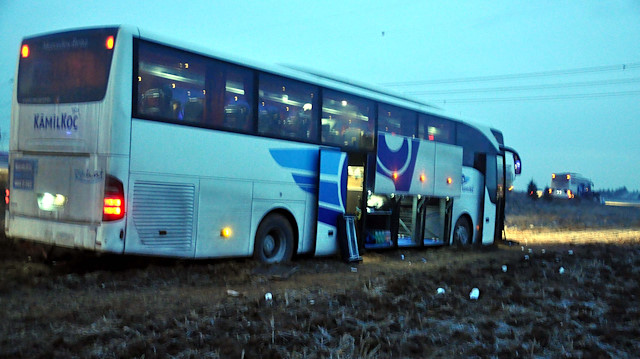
[517, 164]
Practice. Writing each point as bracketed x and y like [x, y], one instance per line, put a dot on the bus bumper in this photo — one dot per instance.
[69, 235]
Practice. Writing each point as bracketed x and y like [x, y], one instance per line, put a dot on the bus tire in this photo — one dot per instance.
[274, 240]
[462, 233]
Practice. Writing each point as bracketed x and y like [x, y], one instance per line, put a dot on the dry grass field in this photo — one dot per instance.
[565, 285]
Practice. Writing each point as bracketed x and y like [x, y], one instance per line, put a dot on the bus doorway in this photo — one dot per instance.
[356, 173]
[492, 216]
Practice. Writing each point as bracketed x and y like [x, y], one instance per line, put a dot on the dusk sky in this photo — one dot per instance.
[560, 79]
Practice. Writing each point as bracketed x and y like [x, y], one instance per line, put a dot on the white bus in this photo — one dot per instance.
[124, 142]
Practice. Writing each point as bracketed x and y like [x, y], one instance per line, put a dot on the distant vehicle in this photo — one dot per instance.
[570, 185]
[128, 143]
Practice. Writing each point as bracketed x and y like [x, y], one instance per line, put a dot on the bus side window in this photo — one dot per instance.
[474, 146]
[437, 129]
[168, 81]
[347, 121]
[230, 97]
[286, 108]
[397, 121]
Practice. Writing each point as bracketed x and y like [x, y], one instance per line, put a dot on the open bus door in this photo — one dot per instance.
[494, 199]
[495, 194]
[505, 179]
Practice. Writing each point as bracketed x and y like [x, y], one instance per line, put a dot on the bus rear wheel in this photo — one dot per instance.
[274, 240]
[462, 233]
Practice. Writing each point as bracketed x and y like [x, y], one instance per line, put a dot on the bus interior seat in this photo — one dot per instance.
[157, 102]
[352, 136]
[235, 116]
[193, 110]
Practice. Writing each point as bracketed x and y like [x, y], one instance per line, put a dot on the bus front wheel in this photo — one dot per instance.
[274, 240]
[462, 233]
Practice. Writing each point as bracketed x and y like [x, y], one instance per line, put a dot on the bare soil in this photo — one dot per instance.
[565, 285]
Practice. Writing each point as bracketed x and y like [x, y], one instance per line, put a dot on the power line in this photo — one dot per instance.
[582, 70]
[542, 98]
[527, 87]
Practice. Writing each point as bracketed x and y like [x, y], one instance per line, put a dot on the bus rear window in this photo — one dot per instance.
[65, 68]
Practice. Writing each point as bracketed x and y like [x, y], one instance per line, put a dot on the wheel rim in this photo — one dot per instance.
[272, 245]
[462, 234]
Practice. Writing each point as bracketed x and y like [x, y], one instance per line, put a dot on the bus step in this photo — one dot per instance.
[348, 239]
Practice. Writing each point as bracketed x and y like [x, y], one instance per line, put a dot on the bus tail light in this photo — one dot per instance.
[113, 204]
[6, 195]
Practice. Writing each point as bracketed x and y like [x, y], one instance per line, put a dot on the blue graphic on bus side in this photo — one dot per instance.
[401, 162]
[303, 164]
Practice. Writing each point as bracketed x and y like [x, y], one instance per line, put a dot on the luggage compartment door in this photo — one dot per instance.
[332, 198]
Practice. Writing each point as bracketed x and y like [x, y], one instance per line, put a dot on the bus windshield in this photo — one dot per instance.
[70, 67]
